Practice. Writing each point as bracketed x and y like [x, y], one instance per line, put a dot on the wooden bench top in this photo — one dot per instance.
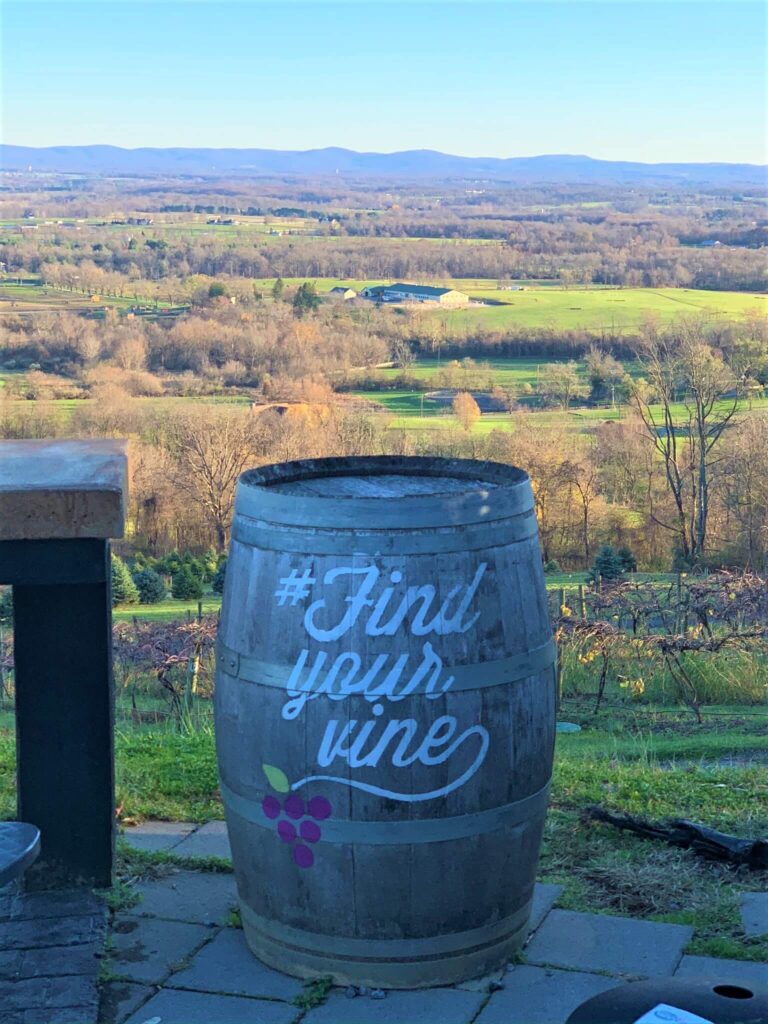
[62, 489]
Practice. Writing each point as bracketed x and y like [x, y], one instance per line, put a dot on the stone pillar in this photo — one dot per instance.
[60, 503]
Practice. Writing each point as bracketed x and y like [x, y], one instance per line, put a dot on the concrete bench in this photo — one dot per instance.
[60, 503]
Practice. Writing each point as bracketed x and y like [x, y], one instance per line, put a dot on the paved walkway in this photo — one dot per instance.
[180, 961]
[51, 948]
[178, 958]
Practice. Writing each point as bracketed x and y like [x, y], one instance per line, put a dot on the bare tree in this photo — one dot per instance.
[686, 403]
[560, 383]
[211, 448]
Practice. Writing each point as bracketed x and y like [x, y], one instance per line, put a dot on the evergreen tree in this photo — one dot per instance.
[627, 559]
[124, 590]
[210, 563]
[277, 289]
[607, 564]
[150, 586]
[306, 299]
[218, 578]
[185, 585]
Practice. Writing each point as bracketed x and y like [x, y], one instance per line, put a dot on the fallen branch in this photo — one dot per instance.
[751, 853]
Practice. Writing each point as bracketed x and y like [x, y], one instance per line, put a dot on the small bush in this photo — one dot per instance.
[552, 565]
[150, 586]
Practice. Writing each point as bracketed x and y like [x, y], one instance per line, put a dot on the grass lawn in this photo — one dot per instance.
[166, 611]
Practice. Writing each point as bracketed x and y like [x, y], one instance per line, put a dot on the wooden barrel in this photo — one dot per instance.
[385, 716]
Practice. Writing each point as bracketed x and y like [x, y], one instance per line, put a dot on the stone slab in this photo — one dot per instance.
[621, 946]
[44, 994]
[544, 896]
[745, 972]
[52, 903]
[537, 995]
[210, 840]
[202, 897]
[754, 913]
[157, 835]
[62, 489]
[146, 949]
[119, 999]
[58, 931]
[428, 1006]
[39, 963]
[227, 965]
[174, 1007]
[65, 1015]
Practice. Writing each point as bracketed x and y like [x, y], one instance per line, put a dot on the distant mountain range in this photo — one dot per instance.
[414, 163]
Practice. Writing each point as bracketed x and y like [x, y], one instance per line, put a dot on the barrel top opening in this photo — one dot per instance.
[383, 492]
[383, 477]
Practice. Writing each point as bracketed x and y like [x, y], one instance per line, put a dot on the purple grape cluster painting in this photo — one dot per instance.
[297, 819]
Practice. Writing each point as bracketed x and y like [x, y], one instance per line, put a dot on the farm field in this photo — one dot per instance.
[33, 298]
[548, 305]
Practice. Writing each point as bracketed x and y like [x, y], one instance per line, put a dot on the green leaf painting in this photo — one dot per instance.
[277, 779]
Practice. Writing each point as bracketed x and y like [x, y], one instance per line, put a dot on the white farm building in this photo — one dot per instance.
[447, 297]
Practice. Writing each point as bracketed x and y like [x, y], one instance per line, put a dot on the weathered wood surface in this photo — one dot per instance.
[434, 655]
[62, 489]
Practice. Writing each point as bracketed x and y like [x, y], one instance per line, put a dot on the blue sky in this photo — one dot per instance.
[616, 79]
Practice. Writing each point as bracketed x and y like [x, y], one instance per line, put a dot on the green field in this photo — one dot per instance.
[168, 610]
[541, 306]
[550, 306]
[413, 410]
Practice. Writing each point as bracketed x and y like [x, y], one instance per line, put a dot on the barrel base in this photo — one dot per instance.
[424, 967]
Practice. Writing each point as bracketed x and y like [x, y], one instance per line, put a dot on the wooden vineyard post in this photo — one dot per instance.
[582, 603]
[60, 502]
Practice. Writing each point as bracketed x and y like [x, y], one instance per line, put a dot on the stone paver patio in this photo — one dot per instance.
[177, 958]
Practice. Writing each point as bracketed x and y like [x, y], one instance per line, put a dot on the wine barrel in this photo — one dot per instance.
[385, 716]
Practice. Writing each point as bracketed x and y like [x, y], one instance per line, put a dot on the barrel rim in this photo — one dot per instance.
[499, 474]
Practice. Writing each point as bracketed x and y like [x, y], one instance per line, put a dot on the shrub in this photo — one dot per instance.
[124, 590]
[218, 577]
[552, 565]
[150, 586]
[185, 585]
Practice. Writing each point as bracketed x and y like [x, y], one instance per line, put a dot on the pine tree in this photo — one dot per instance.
[218, 578]
[150, 586]
[124, 590]
[627, 559]
[305, 299]
[606, 565]
[185, 585]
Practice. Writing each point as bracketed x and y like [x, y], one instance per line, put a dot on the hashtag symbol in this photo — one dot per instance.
[295, 587]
